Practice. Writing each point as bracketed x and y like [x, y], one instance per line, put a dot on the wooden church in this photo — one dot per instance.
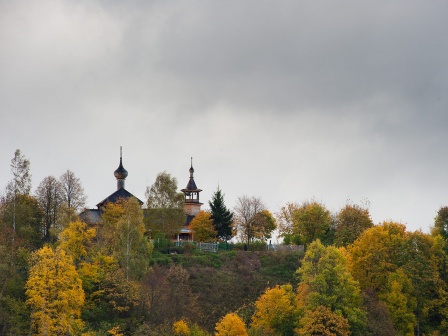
[192, 205]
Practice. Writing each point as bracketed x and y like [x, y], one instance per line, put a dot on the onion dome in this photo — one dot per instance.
[120, 173]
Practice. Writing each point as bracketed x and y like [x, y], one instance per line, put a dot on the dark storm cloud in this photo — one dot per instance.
[287, 100]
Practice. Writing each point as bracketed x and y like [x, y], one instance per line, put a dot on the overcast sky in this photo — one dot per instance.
[284, 100]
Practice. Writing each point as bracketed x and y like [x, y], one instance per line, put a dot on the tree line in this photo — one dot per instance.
[59, 275]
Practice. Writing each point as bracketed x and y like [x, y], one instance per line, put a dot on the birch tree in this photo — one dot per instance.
[72, 191]
[49, 196]
[55, 293]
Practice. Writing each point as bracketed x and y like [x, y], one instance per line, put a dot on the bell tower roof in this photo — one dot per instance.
[191, 186]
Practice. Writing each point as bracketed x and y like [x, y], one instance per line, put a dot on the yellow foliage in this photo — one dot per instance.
[274, 310]
[202, 226]
[231, 325]
[54, 292]
[116, 331]
[75, 239]
[373, 254]
[303, 291]
[180, 328]
[322, 321]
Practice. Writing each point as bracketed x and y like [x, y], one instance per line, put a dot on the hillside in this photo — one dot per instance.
[228, 281]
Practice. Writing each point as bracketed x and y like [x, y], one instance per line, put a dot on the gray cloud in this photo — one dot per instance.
[286, 101]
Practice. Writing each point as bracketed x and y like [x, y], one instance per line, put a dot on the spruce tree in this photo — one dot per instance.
[222, 217]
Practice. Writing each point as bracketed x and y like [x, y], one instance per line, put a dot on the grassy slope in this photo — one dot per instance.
[230, 281]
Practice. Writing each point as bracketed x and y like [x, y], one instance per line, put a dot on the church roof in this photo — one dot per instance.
[116, 196]
[90, 216]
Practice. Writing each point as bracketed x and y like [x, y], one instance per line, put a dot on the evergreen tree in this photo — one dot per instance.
[222, 217]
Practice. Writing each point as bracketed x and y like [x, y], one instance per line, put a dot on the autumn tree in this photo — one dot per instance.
[122, 234]
[374, 255]
[418, 260]
[265, 223]
[14, 314]
[21, 220]
[231, 325]
[202, 226]
[168, 297]
[275, 312]
[379, 322]
[165, 206]
[326, 281]
[351, 221]
[221, 216]
[76, 240]
[252, 220]
[72, 191]
[311, 221]
[181, 328]
[133, 248]
[49, 196]
[285, 222]
[382, 250]
[55, 293]
[441, 224]
[401, 303]
[20, 185]
[322, 321]
[20, 169]
[440, 228]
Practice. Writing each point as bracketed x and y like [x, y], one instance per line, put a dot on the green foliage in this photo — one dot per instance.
[291, 239]
[311, 221]
[22, 218]
[14, 314]
[441, 223]
[165, 213]
[221, 216]
[382, 250]
[351, 221]
[401, 303]
[265, 223]
[123, 236]
[325, 273]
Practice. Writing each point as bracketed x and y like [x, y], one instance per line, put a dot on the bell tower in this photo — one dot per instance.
[192, 205]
